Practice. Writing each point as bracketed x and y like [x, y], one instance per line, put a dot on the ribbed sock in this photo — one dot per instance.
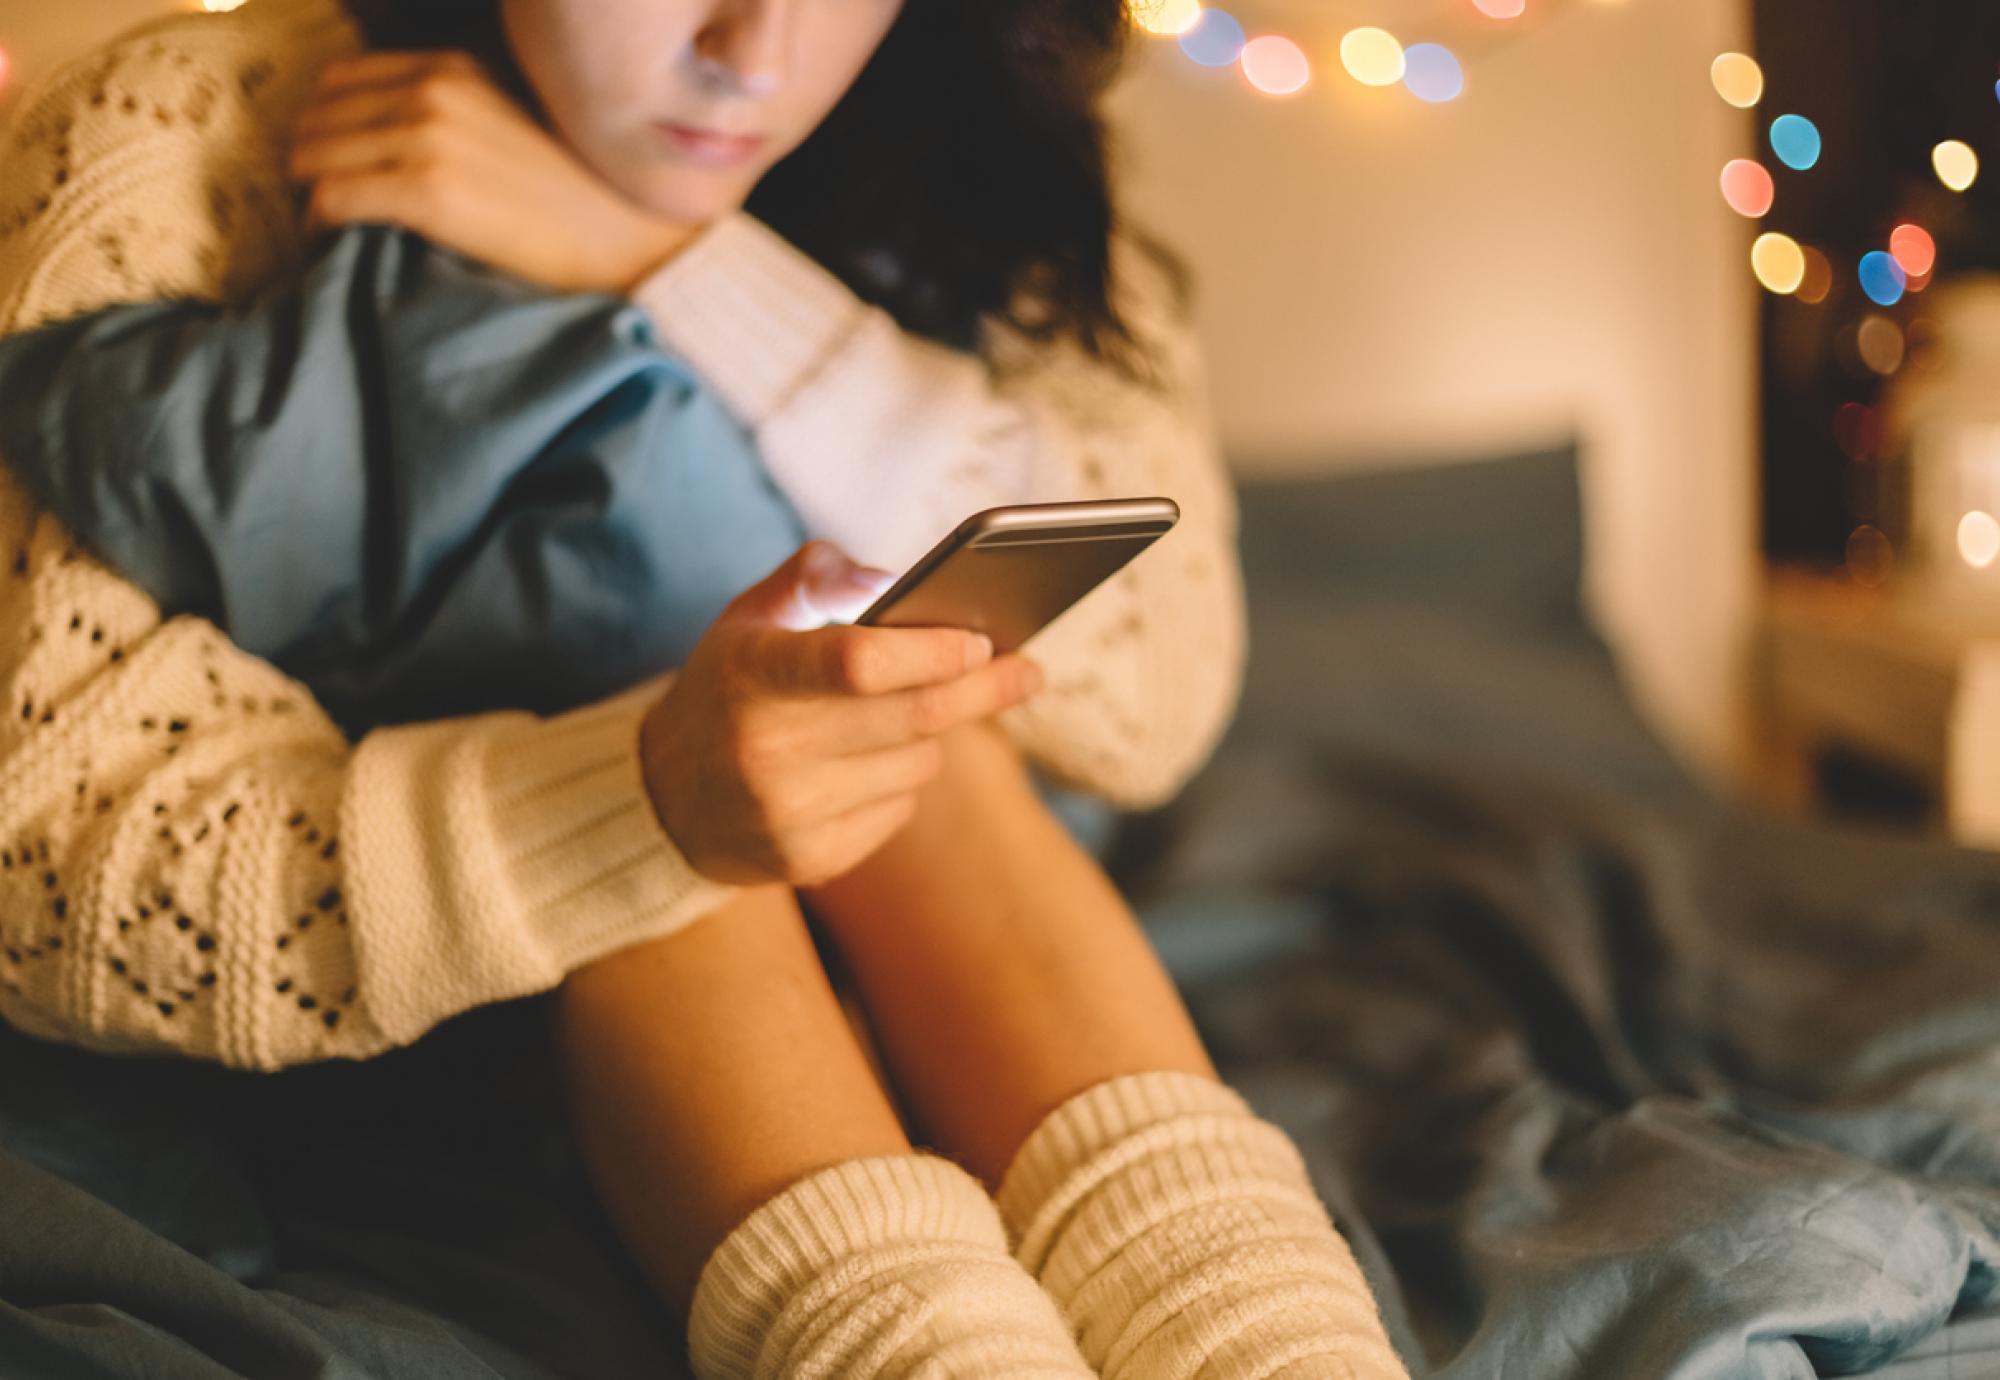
[879, 1266]
[1181, 1237]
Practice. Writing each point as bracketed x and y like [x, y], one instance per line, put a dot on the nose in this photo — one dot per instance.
[745, 45]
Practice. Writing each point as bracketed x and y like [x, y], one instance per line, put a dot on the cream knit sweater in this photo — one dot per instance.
[193, 859]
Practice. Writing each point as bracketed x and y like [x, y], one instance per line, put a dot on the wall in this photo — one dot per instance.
[1547, 256]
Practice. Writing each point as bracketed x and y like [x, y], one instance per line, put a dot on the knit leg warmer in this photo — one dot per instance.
[1181, 1237]
[883, 1266]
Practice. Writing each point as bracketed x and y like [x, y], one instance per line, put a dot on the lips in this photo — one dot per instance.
[710, 147]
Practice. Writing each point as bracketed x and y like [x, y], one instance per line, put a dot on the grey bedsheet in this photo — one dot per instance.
[1612, 1077]
[1607, 1078]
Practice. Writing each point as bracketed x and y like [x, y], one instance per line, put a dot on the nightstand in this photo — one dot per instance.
[1875, 696]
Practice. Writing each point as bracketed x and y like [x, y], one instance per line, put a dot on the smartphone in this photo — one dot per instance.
[1008, 572]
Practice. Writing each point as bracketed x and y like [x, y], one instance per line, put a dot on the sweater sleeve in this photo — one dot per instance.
[418, 484]
[847, 409]
[194, 860]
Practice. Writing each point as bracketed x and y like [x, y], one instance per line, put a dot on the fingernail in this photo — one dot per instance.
[978, 651]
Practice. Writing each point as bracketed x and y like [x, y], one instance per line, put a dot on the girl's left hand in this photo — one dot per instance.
[431, 142]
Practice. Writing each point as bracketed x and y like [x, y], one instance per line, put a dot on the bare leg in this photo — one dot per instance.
[706, 1071]
[1001, 970]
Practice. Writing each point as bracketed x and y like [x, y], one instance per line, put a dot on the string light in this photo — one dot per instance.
[1372, 56]
[1737, 79]
[1432, 72]
[1978, 539]
[1880, 344]
[1166, 16]
[1957, 165]
[1882, 278]
[1913, 248]
[1747, 187]
[1778, 262]
[1795, 140]
[1215, 39]
[1275, 65]
[1818, 280]
[1869, 556]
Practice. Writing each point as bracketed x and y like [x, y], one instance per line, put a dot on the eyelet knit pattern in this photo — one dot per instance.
[340, 899]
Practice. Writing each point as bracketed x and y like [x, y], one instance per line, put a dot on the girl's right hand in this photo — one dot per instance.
[785, 751]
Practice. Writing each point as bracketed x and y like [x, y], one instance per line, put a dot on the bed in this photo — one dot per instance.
[1604, 1076]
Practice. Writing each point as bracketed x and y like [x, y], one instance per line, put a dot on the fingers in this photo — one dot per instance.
[844, 660]
[391, 68]
[834, 787]
[360, 108]
[846, 843]
[870, 724]
[354, 151]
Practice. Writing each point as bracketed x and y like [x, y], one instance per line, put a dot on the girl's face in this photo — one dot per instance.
[684, 104]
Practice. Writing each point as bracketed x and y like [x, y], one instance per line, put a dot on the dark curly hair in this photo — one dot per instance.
[965, 172]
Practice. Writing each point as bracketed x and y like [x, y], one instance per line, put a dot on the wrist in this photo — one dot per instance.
[646, 246]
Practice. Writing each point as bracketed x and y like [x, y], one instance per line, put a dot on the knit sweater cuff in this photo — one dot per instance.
[1109, 1114]
[591, 865]
[534, 842]
[828, 1230]
[753, 314]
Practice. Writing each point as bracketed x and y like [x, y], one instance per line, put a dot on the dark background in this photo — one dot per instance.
[1885, 81]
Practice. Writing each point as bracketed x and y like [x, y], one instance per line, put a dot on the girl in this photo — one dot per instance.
[756, 1168]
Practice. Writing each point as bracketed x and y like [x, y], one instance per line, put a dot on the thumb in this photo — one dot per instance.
[817, 584]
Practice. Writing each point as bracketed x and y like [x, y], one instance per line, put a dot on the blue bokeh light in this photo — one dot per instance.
[1882, 278]
[1432, 73]
[1215, 40]
[1795, 140]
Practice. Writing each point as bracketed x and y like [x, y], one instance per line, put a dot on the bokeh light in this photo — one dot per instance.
[1166, 16]
[1275, 65]
[1737, 79]
[1913, 248]
[1747, 187]
[1857, 430]
[1818, 280]
[1778, 262]
[1500, 9]
[1215, 40]
[1372, 56]
[1795, 140]
[1869, 556]
[1978, 539]
[4, 66]
[1880, 342]
[1957, 165]
[1926, 345]
[1882, 278]
[1432, 72]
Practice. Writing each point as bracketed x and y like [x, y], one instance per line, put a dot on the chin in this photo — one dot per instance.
[690, 196]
